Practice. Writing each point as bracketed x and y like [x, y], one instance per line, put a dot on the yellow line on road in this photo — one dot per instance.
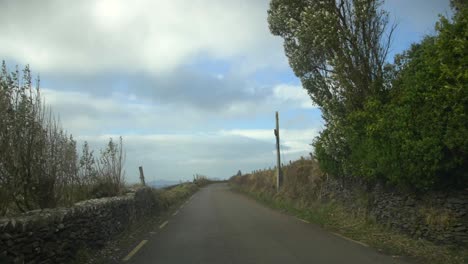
[135, 250]
[163, 225]
[175, 213]
[352, 240]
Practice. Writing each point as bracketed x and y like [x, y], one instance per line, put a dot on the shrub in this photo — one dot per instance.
[39, 163]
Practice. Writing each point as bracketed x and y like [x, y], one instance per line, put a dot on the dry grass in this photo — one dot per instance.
[437, 218]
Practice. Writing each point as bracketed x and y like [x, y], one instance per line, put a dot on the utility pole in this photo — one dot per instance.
[279, 173]
[142, 176]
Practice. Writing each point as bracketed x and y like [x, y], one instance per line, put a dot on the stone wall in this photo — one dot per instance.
[436, 216]
[55, 235]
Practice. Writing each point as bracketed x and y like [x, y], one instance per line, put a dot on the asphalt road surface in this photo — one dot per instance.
[219, 226]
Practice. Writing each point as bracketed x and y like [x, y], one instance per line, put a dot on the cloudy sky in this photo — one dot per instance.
[192, 86]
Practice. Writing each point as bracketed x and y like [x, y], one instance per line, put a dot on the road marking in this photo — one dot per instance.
[175, 213]
[305, 221]
[352, 240]
[135, 250]
[163, 225]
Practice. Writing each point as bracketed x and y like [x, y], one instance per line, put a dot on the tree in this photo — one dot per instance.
[337, 49]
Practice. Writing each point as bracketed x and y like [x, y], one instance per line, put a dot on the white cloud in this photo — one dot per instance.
[258, 134]
[142, 35]
[84, 112]
[293, 140]
[172, 142]
[294, 94]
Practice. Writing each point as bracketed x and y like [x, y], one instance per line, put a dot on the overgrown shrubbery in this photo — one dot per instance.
[404, 123]
[39, 163]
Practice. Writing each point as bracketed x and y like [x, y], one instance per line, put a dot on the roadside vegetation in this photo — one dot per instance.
[404, 123]
[40, 166]
[303, 195]
[174, 195]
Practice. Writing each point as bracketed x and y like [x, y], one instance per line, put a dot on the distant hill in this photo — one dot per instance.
[162, 183]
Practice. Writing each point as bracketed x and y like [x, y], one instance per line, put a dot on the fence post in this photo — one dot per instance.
[142, 176]
[279, 173]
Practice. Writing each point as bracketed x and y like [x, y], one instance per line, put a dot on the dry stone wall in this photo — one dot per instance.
[55, 235]
[435, 216]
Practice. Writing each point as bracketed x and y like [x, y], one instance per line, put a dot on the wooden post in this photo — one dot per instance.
[279, 173]
[142, 176]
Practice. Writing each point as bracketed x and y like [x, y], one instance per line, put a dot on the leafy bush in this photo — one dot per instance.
[418, 138]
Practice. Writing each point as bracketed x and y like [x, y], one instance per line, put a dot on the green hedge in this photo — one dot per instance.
[414, 133]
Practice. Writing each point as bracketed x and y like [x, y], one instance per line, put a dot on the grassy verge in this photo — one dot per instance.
[168, 197]
[357, 226]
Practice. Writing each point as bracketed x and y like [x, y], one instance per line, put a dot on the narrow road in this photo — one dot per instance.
[220, 226]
